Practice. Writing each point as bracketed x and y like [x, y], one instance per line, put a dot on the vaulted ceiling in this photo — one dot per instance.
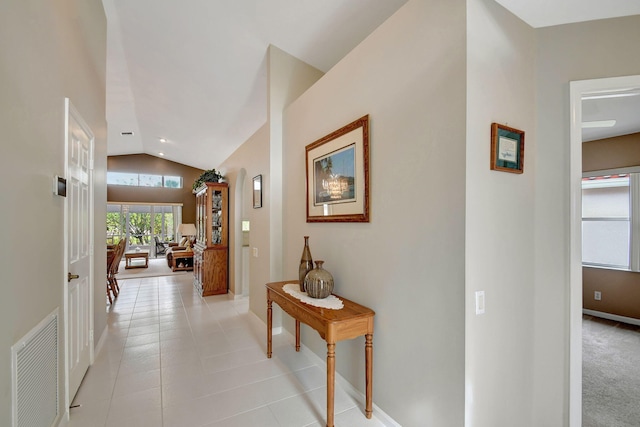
[193, 72]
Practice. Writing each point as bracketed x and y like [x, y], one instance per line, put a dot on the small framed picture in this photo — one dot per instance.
[507, 149]
[257, 191]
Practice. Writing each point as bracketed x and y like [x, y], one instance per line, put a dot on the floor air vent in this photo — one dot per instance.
[35, 375]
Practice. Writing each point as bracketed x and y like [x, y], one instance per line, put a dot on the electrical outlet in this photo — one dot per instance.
[597, 295]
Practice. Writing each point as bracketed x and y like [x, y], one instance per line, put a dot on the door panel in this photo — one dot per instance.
[79, 149]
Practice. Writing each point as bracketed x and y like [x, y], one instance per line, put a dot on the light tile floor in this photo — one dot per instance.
[172, 358]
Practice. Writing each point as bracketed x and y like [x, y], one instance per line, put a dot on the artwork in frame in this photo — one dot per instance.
[338, 175]
[507, 149]
[257, 191]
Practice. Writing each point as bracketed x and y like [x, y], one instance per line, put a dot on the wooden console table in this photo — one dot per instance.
[352, 321]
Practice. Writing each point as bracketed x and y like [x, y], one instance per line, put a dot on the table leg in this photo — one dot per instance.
[297, 335]
[368, 350]
[331, 381]
[269, 322]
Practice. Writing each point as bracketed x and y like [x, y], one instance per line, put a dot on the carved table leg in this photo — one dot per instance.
[269, 322]
[368, 350]
[297, 335]
[331, 381]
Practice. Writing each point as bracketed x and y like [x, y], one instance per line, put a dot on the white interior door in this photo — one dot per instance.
[79, 247]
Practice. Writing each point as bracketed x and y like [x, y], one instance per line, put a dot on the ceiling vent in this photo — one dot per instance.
[126, 133]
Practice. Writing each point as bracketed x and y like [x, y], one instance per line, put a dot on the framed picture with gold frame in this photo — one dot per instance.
[338, 175]
[507, 149]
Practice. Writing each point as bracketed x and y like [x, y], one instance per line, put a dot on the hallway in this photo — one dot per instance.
[172, 358]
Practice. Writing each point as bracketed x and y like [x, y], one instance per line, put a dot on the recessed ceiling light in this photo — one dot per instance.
[598, 124]
[163, 140]
[161, 154]
[126, 133]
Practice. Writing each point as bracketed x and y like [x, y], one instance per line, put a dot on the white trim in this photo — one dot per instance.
[575, 257]
[616, 171]
[382, 416]
[605, 183]
[235, 296]
[145, 203]
[65, 260]
[258, 321]
[634, 222]
[64, 422]
[602, 314]
[70, 110]
[577, 90]
[101, 342]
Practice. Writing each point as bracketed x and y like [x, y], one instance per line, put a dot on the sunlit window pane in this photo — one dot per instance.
[143, 180]
[608, 202]
[122, 178]
[150, 180]
[606, 243]
[173, 181]
[605, 221]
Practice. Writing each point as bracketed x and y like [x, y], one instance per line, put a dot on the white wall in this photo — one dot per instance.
[433, 78]
[288, 77]
[253, 157]
[499, 220]
[407, 264]
[589, 50]
[261, 154]
[48, 51]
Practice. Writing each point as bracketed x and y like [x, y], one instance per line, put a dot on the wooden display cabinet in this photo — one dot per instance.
[211, 251]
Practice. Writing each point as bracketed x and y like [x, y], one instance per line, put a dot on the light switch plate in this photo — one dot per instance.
[255, 252]
[479, 302]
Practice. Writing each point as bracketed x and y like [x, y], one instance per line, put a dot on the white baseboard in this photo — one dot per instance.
[64, 419]
[258, 321]
[615, 317]
[238, 296]
[383, 417]
[100, 345]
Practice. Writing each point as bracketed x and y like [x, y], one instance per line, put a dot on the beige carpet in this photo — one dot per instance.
[157, 267]
[611, 373]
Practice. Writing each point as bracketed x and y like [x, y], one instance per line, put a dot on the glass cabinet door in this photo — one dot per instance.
[217, 230]
[211, 215]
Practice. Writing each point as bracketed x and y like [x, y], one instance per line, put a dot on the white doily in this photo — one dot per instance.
[332, 302]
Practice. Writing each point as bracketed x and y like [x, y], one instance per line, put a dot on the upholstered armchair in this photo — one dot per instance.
[175, 247]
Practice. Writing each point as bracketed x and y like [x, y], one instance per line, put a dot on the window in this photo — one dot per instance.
[150, 180]
[173, 181]
[143, 180]
[141, 223]
[606, 220]
[120, 178]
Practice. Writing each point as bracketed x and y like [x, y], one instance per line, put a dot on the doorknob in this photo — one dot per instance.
[70, 277]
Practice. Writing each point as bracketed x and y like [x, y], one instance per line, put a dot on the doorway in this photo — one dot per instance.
[578, 90]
